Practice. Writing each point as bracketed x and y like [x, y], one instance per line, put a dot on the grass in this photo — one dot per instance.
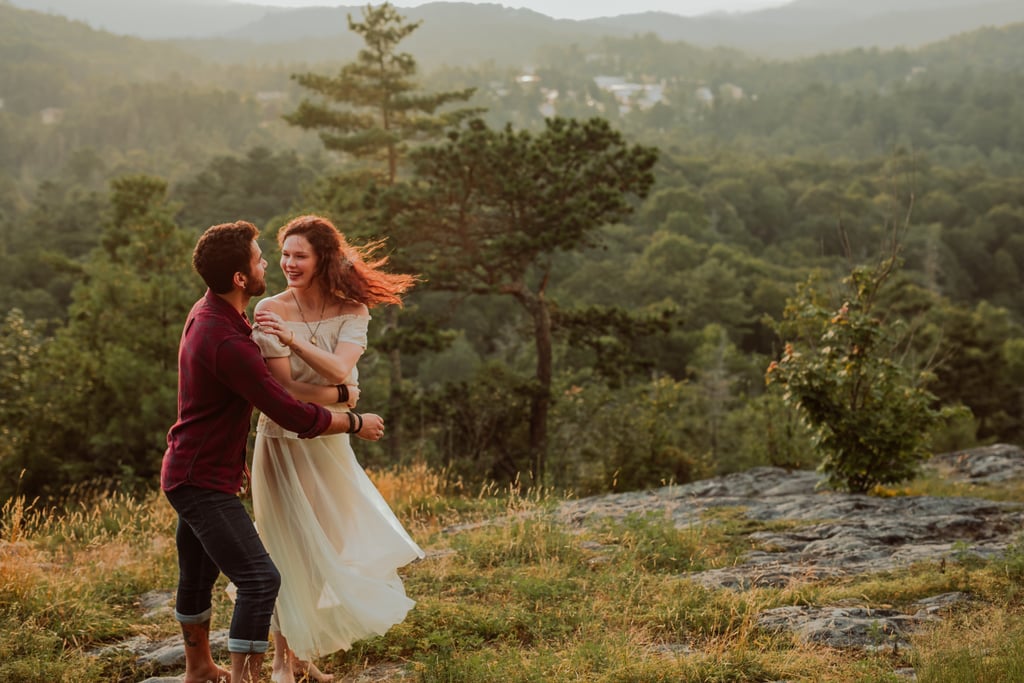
[507, 594]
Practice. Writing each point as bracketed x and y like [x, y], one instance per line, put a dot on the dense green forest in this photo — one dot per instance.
[116, 152]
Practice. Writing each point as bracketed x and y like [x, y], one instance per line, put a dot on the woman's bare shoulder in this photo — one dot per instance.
[354, 308]
[272, 304]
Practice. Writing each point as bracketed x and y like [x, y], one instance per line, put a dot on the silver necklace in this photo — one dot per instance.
[312, 331]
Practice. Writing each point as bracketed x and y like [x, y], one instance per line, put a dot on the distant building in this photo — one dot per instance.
[268, 96]
[916, 71]
[730, 91]
[547, 107]
[726, 92]
[51, 116]
[630, 95]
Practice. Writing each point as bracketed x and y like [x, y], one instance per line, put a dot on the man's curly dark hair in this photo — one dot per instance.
[222, 251]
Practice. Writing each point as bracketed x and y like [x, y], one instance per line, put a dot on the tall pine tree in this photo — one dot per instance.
[372, 112]
[491, 209]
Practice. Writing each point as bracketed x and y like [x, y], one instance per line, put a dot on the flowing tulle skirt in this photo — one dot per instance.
[335, 541]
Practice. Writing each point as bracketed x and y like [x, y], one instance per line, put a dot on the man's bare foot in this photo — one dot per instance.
[206, 674]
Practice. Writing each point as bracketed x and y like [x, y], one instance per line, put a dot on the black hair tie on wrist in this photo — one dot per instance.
[351, 423]
[342, 392]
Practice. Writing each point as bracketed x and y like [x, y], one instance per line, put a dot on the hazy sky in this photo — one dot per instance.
[572, 9]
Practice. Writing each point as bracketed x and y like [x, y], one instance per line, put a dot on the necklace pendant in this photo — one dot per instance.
[312, 330]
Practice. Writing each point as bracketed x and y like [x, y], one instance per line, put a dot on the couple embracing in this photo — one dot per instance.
[319, 566]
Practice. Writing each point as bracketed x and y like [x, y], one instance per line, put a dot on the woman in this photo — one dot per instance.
[332, 536]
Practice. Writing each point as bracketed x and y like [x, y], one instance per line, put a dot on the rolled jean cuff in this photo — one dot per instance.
[248, 646]
[200, 618]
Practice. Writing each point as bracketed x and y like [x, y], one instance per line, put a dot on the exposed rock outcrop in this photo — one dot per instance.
[834, 534]
[839, 534]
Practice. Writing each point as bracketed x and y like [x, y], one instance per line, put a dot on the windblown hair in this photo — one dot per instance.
[222, 251]
[348, 272]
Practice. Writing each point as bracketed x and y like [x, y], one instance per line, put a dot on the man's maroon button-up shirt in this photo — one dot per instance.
[221, 376]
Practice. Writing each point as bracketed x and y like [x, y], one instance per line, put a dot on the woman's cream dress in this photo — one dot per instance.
[332, 536]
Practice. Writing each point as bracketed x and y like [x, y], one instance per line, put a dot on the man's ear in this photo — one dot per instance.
[239, 279]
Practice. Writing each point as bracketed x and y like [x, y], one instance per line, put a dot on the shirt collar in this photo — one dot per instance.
[221, 305]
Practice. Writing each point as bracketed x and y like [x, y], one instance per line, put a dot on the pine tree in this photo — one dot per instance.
[371, 111]
[493, 208]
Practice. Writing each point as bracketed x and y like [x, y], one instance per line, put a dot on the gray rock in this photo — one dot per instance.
[838, 534]
[856, 627]
[157, 605]
[844, 533]
[170, 653]
[840, 627]
[136, 645]
[988, 464]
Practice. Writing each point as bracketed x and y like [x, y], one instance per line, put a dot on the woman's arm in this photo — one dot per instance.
[271, 322]
[322, 394]
[333, 365]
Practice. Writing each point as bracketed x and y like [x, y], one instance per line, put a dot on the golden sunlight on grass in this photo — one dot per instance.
[411, 484]
[937, 484]
[981, 645]
[509, 593]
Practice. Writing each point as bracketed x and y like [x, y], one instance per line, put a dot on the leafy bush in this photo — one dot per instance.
[871, 415]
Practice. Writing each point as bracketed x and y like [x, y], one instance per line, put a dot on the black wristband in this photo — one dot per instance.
[351, 423]
[360, 418]
[342, 392]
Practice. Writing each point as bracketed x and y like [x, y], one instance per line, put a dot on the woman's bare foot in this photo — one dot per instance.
[287, 666]
[282, 673]
[310, 671]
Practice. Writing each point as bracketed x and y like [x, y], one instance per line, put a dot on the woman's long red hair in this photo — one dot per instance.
[348, 272]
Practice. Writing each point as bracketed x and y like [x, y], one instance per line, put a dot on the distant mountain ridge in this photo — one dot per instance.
[813, 26]
[154, 19]
[491, 31]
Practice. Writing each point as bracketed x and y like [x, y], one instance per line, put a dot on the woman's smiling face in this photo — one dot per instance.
[298, 261]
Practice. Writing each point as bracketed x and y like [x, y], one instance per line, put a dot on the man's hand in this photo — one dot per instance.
[373, 427]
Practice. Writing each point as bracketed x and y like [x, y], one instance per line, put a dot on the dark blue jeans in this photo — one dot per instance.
[215, 534]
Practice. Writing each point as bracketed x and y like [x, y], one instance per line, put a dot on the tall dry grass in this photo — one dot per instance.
[509, 593]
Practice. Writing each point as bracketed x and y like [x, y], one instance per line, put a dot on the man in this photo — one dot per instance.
[221, 376]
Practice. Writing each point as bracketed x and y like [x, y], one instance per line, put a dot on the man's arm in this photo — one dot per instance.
[371, 426]
[243, 369]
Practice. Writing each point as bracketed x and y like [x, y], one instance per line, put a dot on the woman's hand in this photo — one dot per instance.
[272, 323]
[348, 395]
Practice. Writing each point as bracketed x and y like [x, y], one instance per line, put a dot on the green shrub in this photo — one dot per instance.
[870, 413]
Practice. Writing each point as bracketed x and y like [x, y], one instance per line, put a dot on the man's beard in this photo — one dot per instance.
[255, 287]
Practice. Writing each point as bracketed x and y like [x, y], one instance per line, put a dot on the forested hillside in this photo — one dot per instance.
[115, 152]
[456, 32]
